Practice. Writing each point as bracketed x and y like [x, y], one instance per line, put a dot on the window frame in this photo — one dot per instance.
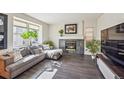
[28, 23]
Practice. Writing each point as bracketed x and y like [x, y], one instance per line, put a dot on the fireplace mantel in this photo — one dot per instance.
[77, 46]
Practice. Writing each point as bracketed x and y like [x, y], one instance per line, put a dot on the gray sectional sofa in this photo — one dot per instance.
[30, 57]
[25, 63]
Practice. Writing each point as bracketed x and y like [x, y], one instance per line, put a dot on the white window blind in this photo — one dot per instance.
[19, 23]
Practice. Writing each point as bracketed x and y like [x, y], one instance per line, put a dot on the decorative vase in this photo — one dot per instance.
[93, 56]
[61, 35]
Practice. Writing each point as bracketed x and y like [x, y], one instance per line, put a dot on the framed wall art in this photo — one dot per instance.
[71, 29]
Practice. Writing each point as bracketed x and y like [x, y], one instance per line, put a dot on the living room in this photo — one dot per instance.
[61, 46]
[19, 23]
[56, 39]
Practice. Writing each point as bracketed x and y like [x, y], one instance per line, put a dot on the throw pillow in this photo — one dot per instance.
[23, 53]
[46, 47]
[17, 56]
[41, 49]
[36, 51]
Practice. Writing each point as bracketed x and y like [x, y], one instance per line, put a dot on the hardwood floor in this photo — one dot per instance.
[77, 67]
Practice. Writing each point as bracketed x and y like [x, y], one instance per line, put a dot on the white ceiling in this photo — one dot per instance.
[59, 18]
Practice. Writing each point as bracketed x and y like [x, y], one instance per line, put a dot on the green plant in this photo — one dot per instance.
[93, 46]
[61, 32]
[50, 43]
[33, 34]
[28, 35]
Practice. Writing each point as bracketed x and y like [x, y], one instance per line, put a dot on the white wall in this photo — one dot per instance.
[108, 20]
[81, 26]
[45, 32]
[28, 18]
[55, 36]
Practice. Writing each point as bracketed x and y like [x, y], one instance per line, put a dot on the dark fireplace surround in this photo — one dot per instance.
[70, 44]
[75, 46]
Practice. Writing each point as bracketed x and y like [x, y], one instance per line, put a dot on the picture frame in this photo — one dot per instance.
[71, 29]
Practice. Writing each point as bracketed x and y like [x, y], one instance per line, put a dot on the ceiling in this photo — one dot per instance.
[59, 18]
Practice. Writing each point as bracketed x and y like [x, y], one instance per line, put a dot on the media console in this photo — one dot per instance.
[111, 62]
[108, 68]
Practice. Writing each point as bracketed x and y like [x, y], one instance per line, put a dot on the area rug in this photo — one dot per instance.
[47, 74]
[44, 70]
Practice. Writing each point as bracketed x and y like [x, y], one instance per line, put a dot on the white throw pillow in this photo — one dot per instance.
[46, 47]
[41, 49]
[17, 56]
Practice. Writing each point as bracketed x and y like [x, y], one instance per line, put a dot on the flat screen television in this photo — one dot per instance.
[112, 43]
[3, 31]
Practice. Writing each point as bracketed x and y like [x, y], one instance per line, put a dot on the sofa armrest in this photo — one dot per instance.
[3, 72]
[9, 61]
[5, 61]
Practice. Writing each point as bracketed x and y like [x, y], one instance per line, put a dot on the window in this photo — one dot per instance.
[89, 34]
[19, 27]
[17, 39]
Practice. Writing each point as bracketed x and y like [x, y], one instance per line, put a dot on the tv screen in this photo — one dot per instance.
[112, 44]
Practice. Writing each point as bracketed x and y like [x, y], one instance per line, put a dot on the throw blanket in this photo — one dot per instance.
[51, 53]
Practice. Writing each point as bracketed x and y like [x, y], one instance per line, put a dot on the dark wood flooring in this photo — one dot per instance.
[78, 67]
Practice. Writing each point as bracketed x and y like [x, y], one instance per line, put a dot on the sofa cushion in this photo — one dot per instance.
[26, 60]
[39, 58]
[36, 51]
[9, 61]
[33, 49]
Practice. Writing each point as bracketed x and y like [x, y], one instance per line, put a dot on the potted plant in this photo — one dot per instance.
[93, 47]
[61, 32]
[29, 35]
[50, 43]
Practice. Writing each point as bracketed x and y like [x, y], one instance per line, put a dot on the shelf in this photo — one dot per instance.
[122, 54]
[121, 44]
[121, 50]
[110, 47]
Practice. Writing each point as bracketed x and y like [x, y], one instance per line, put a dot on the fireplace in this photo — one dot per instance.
[70, 46]
[75, 46]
